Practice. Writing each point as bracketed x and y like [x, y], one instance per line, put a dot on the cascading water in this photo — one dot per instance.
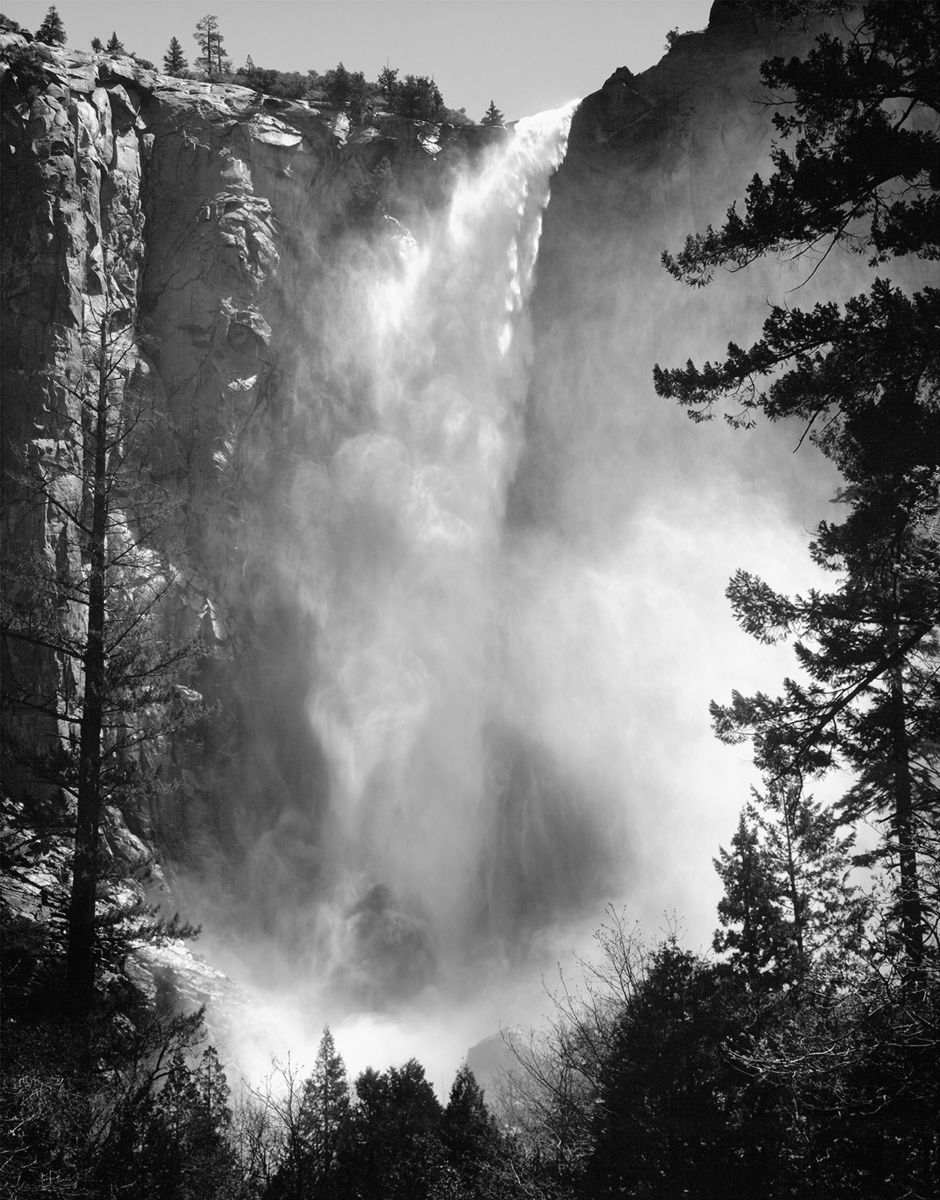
[406, 696]
[489, 717]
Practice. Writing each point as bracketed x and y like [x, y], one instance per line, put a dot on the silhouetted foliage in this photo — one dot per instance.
[345, 90]
[213, 60]
[51, 31]
[388, 82]
[856, 1041]
[174, 61]
[395, 1150]
[752, 930]
[492, 116]
[863, 378]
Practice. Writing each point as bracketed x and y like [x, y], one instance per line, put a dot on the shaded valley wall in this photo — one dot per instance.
[626, 520]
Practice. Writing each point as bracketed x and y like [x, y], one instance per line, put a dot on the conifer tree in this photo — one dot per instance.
[493, 116]
[174, 61]
[665, 1122]
[213, 60]
[338, 85]
[114, 44]
[787, 905]
[186, 1150]
[469, 1131]
[864, 380]
[808, 855]
[394, 1151]
[752, 931]
[96, 615]
[324, 1113]
[51, 31]
[388, 82]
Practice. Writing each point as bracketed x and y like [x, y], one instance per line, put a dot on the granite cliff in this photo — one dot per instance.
[211, 214]
[224, 225]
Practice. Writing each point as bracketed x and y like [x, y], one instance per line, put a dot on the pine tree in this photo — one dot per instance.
[51, 31]
[492, 116]
[862, 378]
[212, 1090]
[324, 1113]
[337, 83]
[809, 856]
[752, 930]
[114, 44]
[469, 1132]
[97, 45]
[388, 82]
[668, 1120]
[394, 1151]
[213, 60]
[94, 613]
[186, 1149]
[174, 61]
[787, 906]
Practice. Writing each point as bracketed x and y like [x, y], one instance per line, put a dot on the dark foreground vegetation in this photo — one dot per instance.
[802, 1058]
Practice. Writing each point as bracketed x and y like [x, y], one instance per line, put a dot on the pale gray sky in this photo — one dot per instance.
[527, 55]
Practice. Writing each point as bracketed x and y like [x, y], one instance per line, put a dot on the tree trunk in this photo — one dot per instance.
[788, 802]
[80, 962]
[912, 930]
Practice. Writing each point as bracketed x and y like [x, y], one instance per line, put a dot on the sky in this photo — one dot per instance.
[526, 55]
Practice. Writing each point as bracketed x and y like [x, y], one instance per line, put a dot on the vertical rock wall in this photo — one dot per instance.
[211, 217]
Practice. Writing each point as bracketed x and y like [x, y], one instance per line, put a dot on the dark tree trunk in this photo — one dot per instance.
[911, 913]
[80, 962]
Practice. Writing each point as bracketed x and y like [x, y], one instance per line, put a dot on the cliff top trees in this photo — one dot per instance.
[344, 88]
[418, 97]
[213, 60]
[388, 82]
[51, 31]
[174, 61]
[493, 116]
[861, 170]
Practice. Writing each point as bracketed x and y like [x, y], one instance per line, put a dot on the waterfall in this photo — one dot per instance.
[408, 566]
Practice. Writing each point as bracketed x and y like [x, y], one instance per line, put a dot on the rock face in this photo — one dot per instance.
[651, 159]
[210, 215]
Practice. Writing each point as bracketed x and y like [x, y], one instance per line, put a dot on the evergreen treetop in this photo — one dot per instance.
[174, 61]
[213, 60]
[493, 116]
[51, 31]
